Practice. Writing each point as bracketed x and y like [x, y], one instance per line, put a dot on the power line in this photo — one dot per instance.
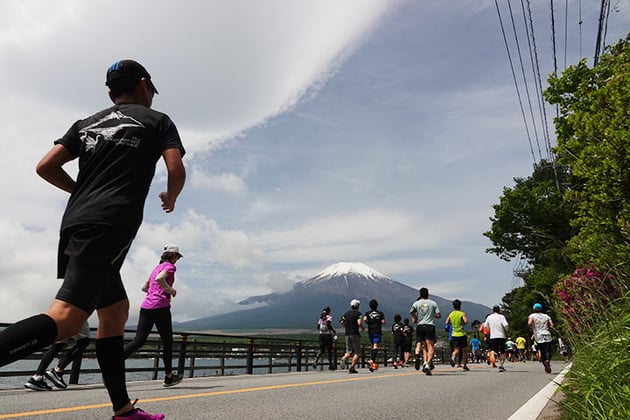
[520, 57]
[536, 71]
[518, 93]
[601, 29]
[566, 30]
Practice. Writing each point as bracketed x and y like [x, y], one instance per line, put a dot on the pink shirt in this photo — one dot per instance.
[156, 297]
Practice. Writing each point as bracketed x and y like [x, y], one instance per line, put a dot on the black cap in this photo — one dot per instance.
[496, 308]
[126, 71]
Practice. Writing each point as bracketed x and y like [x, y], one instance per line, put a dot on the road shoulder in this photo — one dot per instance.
[543, 405]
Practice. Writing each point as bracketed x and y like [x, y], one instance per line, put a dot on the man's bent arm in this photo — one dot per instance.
[50, 168]
[176, 178]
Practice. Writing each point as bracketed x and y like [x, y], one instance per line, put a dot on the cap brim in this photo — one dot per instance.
[156, 92]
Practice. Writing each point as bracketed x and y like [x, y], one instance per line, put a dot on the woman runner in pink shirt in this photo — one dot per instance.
[156, 310]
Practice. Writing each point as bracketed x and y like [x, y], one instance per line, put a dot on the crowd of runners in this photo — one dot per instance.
[490, 343]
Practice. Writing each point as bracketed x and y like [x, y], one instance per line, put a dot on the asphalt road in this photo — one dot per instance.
[385, 394]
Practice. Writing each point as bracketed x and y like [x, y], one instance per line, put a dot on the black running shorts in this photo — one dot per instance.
[425, 332]
[89, 261]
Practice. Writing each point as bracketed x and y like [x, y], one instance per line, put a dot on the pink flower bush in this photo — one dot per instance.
[584, 296]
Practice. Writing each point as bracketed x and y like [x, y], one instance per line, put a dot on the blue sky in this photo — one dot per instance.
[379, 132]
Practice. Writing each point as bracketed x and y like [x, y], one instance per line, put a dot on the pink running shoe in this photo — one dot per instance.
[137, 414]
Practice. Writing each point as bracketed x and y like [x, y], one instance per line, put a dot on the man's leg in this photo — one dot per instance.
[355, 360]
[73, 352]
[48, 357]
[109, 352]
[430, 350]
[62, 321]
[464, 351]
[418, 350]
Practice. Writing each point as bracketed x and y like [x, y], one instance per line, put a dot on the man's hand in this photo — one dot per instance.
[168, 204]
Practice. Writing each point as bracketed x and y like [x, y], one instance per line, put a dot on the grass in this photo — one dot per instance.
[598, 385]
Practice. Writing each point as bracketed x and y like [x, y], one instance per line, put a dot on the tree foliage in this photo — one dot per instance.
[593, 132]
[532, 218]
[573, 212]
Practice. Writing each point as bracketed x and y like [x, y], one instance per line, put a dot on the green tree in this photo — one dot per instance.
[532, 220]
[593, 132]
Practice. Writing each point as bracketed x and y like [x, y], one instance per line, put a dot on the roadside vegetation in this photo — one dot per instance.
[570, 221]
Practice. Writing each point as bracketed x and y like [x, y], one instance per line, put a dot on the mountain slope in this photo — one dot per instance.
[334, 286]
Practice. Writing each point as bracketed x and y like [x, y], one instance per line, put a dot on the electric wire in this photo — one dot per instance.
[527, 94]
[518, 92]
[533, 53]
[603, 18]
[566, 31]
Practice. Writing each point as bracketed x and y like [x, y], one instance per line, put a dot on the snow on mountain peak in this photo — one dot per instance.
[343, 268]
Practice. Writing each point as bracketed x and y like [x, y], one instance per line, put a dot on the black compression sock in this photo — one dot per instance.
[109, 352]
[25, 337]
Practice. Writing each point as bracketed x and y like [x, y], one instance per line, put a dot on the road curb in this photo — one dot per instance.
[532, 408]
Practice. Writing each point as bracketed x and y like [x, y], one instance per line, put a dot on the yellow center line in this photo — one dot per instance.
[201, 395]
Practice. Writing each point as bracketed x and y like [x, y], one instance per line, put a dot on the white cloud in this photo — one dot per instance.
[228, 183]
[370, 130]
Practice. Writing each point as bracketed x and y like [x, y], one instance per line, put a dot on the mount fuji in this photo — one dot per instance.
[334, 286]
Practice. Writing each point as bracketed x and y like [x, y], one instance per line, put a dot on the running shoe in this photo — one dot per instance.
[427, 371]
[137, 414]
[452, 362]
[465, 368]
[173, 380]
[371, 365]
[417, 363]
[352, 370]
[56, 378]
[37, 385]
[395, 365]
[547, 366]
[501, 369]
[431, 365]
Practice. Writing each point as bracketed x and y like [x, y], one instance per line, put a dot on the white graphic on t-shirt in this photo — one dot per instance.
[105, 129]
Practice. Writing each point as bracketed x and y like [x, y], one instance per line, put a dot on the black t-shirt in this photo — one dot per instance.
[408, 333]
[374, 319]
[118, 149]
[350, 321]
[397, 329]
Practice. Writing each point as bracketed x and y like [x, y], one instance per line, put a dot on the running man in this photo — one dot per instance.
[399, 338]
[117, 150]
[424, 312]
[375, 320]
[521, 348]
[498, 327]
[352, 322]
[541, 325]
[475, 346]
[55, 375]
[457, 320]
